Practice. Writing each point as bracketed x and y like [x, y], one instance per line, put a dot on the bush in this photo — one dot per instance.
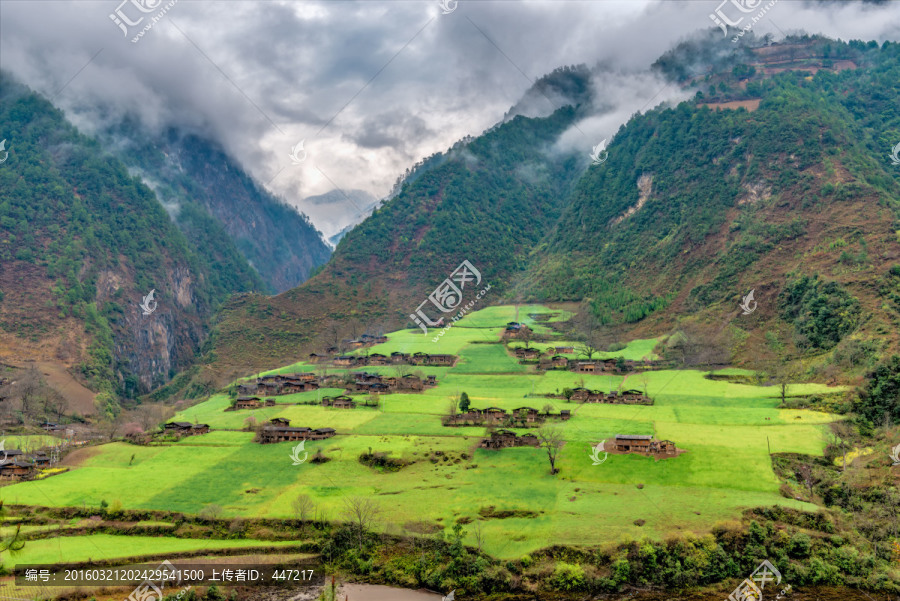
[800, 545]
[567, 577]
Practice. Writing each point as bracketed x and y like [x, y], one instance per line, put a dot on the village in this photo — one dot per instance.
[263, 391]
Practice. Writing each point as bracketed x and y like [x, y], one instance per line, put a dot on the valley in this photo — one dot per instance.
[626, 329]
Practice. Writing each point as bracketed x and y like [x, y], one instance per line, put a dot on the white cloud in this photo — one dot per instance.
[371, 86]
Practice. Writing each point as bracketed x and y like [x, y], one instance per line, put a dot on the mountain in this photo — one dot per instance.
[775, 172]
[488, 200]
[339, 211]
[196, 179]
[83, 243]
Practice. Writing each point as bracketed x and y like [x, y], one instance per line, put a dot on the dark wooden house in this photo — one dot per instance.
[247, 402]
[270, 434]
[322, 433]
[529, 414]
[634, 443]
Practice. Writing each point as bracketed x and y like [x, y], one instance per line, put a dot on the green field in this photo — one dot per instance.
[726, 430]
[70, 549]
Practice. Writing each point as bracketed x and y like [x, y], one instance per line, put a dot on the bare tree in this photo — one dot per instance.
[842, 435]
[588, 331]
[333, 333]
[548, 408]
[57, 406]
[551, 440]
[785, 373]
[108, 428]
[28, 389]
[303, 507]
[478, 533]
[149, 416]
[525, 335]
[808, 477]
[361, 513]
[588, 349]
[402, 370]
[451, 408]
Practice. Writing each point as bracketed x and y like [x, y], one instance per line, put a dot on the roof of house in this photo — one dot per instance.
[633, 437]
[286, 429]
[502, 433]
[5, 464]
[180, 424]
[198, 426]
[248, 398]
[525, 408]
[13, 452]
[325, 430]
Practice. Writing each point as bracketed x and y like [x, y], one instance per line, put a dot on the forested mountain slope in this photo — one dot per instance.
[82, 244]
[206, 190]
[695, 207]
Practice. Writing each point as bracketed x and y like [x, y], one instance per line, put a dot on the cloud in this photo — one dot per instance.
[371, 87]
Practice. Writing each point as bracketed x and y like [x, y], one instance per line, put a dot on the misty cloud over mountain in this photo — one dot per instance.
[370, 87]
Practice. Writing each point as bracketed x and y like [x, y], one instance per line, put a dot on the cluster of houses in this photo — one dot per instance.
[185, 428]
[17, 465]
[338, 402]
[369, 382]
[625, 397]
[553, 358]
[503, 439]
[643, 444]
[495, 416]
[395, 358]
[280, 384]
[279, 429]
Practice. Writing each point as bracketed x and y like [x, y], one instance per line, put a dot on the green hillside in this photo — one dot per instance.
[695, 207]
[734, 438]
[82, 243]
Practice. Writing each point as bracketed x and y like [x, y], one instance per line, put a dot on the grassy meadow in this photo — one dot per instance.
[725, 429]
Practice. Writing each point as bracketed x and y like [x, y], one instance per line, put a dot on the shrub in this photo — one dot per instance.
[800, 545]
[567, 577]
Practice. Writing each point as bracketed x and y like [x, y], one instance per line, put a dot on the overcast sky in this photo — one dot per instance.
[370, 87]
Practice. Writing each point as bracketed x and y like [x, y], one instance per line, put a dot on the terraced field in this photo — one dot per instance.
[726, 430]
